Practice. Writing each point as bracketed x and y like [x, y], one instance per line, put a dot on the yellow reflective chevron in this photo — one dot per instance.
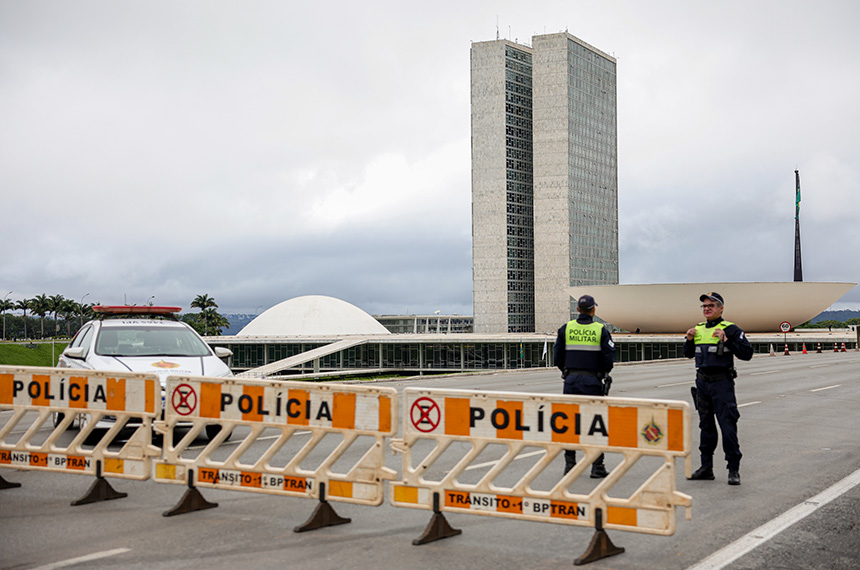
[705, 335]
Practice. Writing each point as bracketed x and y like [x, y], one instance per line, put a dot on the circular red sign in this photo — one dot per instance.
[785, 326]
[184, 399]
[425, 415]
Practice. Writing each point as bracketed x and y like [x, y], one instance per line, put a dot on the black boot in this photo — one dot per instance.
[598, 471]
[702, 474]
[734, 477]
[569, 463]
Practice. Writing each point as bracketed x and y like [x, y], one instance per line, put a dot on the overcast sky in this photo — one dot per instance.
[257, 151]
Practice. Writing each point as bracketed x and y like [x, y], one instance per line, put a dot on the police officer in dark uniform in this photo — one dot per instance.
[585, 353]
[714, 343]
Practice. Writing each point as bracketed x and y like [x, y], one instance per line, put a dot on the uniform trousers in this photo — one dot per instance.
[583, 385]
[717, 404]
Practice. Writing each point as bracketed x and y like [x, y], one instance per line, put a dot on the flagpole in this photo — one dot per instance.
[798, 265]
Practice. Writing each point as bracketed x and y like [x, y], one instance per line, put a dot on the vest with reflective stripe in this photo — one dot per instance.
[706, 347]
[582, 343]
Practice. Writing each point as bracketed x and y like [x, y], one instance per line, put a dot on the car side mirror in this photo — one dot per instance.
[76, 352]
[222, 352]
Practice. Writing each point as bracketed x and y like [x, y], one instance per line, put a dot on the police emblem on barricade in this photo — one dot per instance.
[652, 432]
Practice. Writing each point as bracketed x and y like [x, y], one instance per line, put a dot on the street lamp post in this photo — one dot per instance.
[150, 300]
[82, 308]
[4, 314]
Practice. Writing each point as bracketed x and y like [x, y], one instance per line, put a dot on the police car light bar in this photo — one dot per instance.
[135, 310]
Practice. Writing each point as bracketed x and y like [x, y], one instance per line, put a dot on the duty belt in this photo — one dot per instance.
[729, 374]
[570, 371]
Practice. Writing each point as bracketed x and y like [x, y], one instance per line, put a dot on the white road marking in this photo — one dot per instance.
[676, 384]
[765, 532]
[749, 404]
[765, 372]
[826, 388]
[491, 463]
[87, 558]
[238, 441]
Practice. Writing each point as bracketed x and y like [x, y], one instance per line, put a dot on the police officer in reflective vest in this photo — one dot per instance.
[584, 352]
[714, 343]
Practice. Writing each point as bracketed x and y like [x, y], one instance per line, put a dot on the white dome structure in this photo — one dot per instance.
[313, 315]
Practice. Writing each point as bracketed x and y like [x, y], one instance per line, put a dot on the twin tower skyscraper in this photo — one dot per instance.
[544, 179]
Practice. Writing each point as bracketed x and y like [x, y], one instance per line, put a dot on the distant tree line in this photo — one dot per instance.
[45, 317]
[830, 324]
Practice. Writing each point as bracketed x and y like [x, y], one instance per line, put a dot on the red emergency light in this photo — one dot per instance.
[135, 310]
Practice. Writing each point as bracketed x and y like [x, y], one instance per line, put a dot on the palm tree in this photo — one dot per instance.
[215, 319]
[204, 302]
[68, 308]
[24, 305]
[5, 305]
[39, 306]
[55, 304]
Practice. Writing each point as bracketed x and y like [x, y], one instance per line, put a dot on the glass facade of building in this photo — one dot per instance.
[518, 168]
[435, 356]
[426, 324]
[593, 168]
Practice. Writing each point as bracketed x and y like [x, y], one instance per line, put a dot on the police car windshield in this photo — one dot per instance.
[150, 341]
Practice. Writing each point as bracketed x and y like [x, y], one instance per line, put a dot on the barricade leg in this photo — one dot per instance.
[438, 526]
[323, 516]
[99, 491]
[601, 546]
[4, 484]
[191, 501]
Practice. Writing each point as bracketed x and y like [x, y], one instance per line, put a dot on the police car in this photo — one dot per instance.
[142, 339]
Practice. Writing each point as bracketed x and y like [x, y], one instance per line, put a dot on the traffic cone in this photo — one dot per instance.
[786, 350]
[835, 347]
[772, 353]
[804, 348]
[843, 348]
[819, 348]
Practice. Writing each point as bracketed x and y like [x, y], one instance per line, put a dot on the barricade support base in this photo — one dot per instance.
[323, 516]
[438, 526]
[100, 490]
[4, 484]
[191, 501]
[600, 546]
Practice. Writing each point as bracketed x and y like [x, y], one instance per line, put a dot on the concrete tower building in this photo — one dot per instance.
[544, 179]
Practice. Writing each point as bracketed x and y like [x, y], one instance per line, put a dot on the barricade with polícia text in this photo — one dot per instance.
[503, 446]
[322, 441]
[99, 404]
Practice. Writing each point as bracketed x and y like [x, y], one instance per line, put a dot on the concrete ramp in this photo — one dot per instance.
[303, 358]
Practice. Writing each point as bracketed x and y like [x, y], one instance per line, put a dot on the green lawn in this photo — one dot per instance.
[30, 354]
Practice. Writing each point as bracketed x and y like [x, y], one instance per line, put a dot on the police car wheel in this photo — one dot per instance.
[214, 430]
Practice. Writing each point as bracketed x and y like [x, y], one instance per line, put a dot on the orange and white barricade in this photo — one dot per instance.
[39, 405]
[322, 441]
[501, 454]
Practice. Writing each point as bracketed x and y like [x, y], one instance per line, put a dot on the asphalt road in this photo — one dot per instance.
[798, 430]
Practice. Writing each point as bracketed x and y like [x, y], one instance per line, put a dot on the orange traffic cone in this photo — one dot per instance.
[835, 347]
[843, 348]
[786, 350]
[819, 348]
[804, 348]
